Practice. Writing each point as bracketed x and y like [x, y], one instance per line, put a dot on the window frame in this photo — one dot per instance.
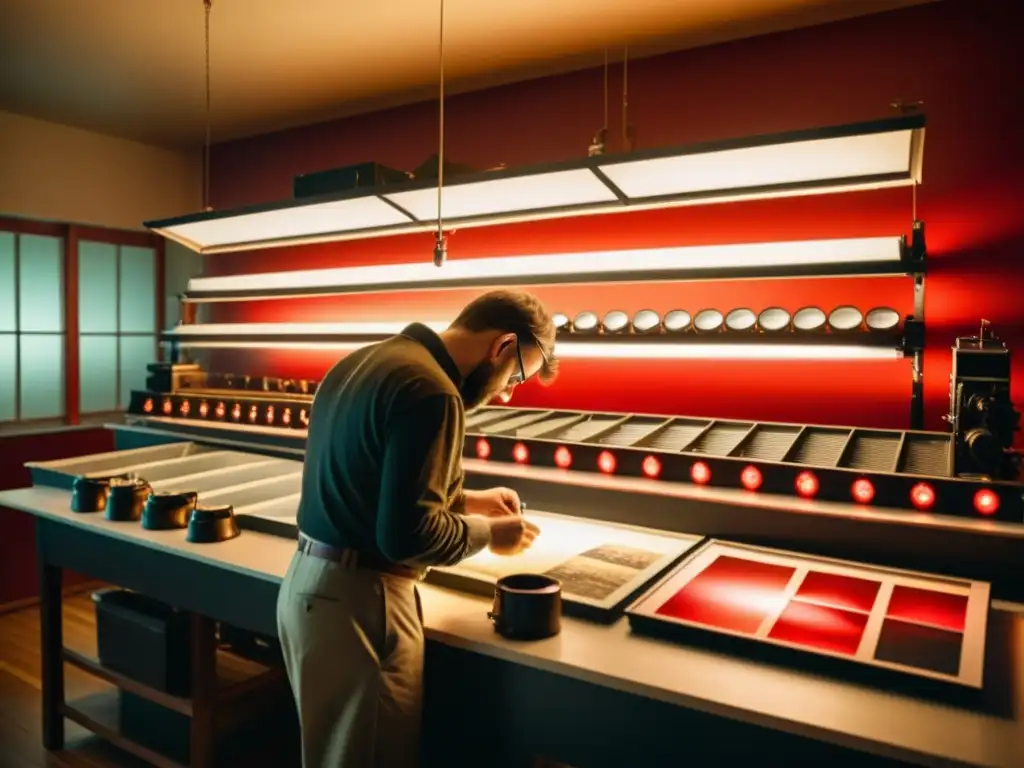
[71, 235]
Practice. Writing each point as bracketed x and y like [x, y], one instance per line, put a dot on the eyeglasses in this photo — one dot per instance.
[518, 378]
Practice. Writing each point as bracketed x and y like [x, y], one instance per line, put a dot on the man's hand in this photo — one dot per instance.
[494, 502]
[511, 534]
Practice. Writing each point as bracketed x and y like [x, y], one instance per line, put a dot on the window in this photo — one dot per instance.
[80, 308]
[31, 327]
[117, 322]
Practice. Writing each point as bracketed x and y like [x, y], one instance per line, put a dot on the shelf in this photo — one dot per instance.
[178, 704]
[99, 713]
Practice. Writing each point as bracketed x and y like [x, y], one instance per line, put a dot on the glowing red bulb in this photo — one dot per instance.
[147, 406]
[563, 457]
[483, 449]
[807, 485]
[700, 473]
[236, 412]
[184, 408]
[862, 491]
[922, 496]
[751, 478]
[168, 407]
[204, 409]
[286, 417]
[520, 453]
[220, 410]
[986, 502]
[606, 462]
[651, 466]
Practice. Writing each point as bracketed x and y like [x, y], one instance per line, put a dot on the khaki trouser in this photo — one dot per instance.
[353, 647]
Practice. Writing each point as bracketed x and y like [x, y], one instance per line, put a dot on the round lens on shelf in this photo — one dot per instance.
[560, 321]
[677, 321]
[616, 321]
[708, 321]
[809, 319]
[741, 319]
[585, 322]
[845, 319]
[646, 321]
[773, 320]
[882, 319]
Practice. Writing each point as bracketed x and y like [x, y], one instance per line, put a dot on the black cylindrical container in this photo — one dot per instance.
[126, 499]
[209, 525]
[166, 510]
[527, 606]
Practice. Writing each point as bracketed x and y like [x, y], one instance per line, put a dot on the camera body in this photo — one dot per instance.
[981, 413]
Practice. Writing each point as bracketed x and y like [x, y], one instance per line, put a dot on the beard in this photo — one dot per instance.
[481, 385]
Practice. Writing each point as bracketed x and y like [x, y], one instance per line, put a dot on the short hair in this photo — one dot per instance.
[515, 312]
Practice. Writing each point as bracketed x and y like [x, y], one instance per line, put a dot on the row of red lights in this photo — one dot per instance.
[922, 495]
[220, 411]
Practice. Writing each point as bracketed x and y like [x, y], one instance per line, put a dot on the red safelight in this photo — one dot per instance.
[751, 478]
[807, 485]
[700, 473]
[922, 496]
[563, 457]
[651, 467]
[986, 502]
[606, 462]
[483, 449]
[520, 453]
[862, 490]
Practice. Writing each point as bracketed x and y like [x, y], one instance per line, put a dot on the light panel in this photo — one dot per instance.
[858, 255]
[861, 160]
[538, 191]
[819, 161]
[283, 226]
[350, 336]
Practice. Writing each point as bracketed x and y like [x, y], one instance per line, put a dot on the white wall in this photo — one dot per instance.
[57, 173]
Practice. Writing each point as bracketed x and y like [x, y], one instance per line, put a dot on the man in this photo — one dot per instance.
[382, 500]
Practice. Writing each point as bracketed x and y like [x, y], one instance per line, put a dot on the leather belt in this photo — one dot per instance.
[352, 558]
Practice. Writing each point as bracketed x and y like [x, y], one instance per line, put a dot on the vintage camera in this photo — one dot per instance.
[981, 413]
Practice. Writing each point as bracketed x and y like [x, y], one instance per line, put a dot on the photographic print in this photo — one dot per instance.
[600, 565]
[916, 624]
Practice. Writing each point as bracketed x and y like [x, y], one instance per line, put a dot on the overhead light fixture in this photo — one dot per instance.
[774, 320]
[561, 189]
[851, 157]
[854, 256]
[260, 227]
[582, 344]
[868, 155]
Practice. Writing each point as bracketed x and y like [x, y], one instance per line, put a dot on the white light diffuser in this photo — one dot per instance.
[821, 161]
[331, 336]
[596, 266]
[513, 194]
[284, 225]
[867, 157]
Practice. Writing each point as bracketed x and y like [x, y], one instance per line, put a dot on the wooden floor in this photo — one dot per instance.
[21, 702]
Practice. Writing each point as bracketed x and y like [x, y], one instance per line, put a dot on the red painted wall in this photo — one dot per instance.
[960, 58]
[18, 566]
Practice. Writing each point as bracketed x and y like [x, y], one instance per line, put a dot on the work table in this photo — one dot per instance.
[781, 698]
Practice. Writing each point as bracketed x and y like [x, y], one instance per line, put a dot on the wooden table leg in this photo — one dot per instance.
[51, 627]
[204, 689]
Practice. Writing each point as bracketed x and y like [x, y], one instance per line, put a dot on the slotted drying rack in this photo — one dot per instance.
[868, 450]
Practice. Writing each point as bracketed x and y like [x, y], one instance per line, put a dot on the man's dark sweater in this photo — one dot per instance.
[383, 469]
